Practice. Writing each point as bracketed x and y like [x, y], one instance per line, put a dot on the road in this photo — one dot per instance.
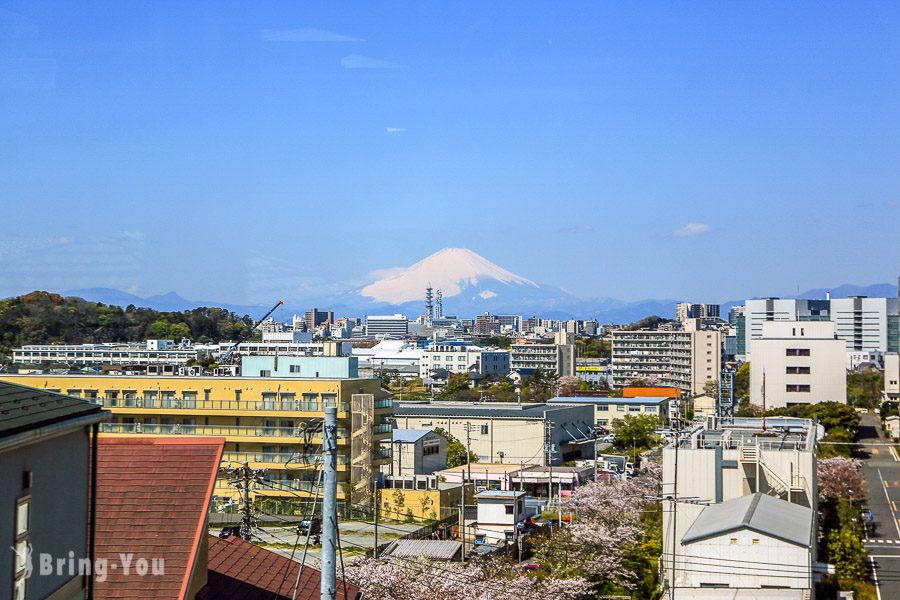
[882, 470]
[355, 535]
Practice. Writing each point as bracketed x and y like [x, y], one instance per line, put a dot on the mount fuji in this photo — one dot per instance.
[470, 284]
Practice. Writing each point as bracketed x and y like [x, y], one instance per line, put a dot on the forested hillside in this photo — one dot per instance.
[43, 317]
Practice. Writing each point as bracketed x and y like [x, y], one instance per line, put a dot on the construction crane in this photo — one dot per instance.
[229, 356]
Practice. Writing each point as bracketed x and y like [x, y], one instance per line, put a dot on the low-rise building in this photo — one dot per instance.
[515, 433]
[415, 452]
[608, 410]
[727, 544]
[499, 511]
[463, 358]
[734, 464]
[45, 456]
[423, 497]
[81, 355]
[892, 376]
[797, 362]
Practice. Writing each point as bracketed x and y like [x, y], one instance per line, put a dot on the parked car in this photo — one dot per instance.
[608, 439]
[310, 527]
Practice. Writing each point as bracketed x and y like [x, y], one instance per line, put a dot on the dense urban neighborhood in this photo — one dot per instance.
[500, 456]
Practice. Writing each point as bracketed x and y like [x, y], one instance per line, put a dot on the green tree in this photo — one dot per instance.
[637, 432]
[864, 388]
[711, 388]
[456, 451]
[159, 329]
[742, 382]
[178, 331]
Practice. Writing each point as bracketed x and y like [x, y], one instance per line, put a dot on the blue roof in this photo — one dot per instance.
[602, 400]
[408, 436]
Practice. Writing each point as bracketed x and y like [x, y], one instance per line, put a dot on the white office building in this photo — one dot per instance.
[863, 324]
[396, 325]
[802, 361]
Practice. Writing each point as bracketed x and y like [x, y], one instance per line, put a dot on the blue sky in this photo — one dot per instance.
[250, 151]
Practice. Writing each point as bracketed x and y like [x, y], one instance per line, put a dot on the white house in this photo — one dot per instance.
[498, 513]
[728, 543]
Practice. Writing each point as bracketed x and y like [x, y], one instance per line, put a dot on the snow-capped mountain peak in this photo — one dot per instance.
[451, 270]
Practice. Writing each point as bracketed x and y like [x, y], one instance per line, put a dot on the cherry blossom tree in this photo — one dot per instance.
[840, 478]
[607, 523]
[394, 578]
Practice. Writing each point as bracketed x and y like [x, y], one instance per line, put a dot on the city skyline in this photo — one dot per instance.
[298, 151]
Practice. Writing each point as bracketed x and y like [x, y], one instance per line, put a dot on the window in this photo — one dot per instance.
[733, 541]
[792, 387]
[206, 393]
[620, 408]
[484, 430]
[650, 409]
[23, 530]
[295, 368]
[755, 541]
[508, 508]
[265, 373]
[603, 407]
[797, 370]
[190, 399]
[634, 408]
[76, 393]
[237, 395]
[796, 352]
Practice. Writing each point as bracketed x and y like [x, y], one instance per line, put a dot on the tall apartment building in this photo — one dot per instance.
[864, 324]
[682, 359]
[556, 357]
[271, 423]
[686, 310]
[802, 363]
[487, 324]
[387, 325]
[315, 317]
[457, 358]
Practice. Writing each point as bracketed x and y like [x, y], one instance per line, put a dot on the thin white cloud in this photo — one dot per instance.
[692, 229]
[305, 35]
[358, 61]
[395, 130]
[576, 229]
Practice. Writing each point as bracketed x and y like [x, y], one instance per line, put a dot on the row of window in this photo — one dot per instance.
[632, 408]
[797, 370]
[796, 352]
[187, 396]
[797, 387]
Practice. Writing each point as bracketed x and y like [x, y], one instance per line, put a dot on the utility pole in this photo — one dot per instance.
[244, 479]
[329, 505]
[468, 450]
[674, 515]
[375, 512]
[462, 515]
[548, 448]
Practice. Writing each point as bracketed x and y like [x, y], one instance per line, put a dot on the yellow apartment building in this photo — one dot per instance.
[272, 423]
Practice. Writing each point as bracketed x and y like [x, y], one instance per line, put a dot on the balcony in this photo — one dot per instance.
[231, 431]
[283, 460]
[204, 406]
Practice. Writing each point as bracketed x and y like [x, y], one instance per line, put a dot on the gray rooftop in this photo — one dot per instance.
[500, 494]
[496, 410]
[408, 436]
[435, 549]
[23, 408]
[780, 519]
[607, 400]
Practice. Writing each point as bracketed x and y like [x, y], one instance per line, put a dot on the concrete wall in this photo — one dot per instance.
[827, 377]
[59, 505]
[738, 552]
[327, 367]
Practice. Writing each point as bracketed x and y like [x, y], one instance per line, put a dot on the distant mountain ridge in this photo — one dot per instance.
[471, 285]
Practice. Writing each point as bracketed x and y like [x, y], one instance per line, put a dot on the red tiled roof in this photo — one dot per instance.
[153, 495]
[238, 570]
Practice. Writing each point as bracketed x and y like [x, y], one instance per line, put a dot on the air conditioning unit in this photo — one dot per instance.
[137, 428]
[177, 428]
[139, 403]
